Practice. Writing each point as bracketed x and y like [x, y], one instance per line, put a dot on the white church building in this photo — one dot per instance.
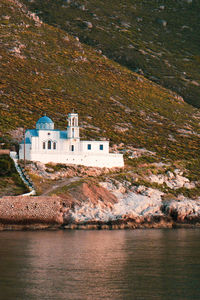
[46, 144]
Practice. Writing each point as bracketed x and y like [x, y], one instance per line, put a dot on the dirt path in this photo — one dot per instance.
[59, 184]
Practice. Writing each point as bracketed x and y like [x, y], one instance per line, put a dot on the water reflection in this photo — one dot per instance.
[79, 261]
[140, 264]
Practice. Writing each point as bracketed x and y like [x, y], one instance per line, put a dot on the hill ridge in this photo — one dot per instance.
[47, 70]
[156, 38]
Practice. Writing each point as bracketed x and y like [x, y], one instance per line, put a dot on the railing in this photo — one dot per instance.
[25, 178]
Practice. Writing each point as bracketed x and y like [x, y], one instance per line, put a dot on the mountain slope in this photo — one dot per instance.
[157, 38]
[46, 70]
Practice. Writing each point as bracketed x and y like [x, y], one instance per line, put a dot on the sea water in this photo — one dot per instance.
[130, 264]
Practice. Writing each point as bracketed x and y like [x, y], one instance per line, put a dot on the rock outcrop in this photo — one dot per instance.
[104, 206]
[185, 210]
[139, 207]
[173, 180]
[55, 171]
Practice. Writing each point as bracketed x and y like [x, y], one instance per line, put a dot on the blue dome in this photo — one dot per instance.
[44, 119]
[45, 123]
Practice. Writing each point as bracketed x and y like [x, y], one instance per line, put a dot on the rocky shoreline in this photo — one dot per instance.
[97, 208]
[77, 202]
[153, 223]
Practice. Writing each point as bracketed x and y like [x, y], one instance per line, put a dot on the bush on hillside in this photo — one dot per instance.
[6, 166]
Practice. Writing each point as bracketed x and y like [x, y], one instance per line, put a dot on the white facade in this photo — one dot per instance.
[46, 144]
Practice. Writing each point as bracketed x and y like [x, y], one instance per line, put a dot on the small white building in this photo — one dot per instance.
[46, 144]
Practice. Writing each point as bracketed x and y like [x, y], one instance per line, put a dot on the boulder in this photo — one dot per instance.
[162, 22]
[88, 24]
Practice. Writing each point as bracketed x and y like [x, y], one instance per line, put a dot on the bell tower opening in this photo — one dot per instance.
[73, 128]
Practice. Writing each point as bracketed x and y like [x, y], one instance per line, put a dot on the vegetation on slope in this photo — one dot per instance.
[10, 182]
[46, 70]
[157, 38]
[173, 179]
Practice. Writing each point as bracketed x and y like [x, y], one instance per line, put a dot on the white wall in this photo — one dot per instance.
[27, 151]
[95, 147]
[45, 136]
[63, 154]
[91, 160]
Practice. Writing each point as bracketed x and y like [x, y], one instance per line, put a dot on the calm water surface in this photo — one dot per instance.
[139, 264]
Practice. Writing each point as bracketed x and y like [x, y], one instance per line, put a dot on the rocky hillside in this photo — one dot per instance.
[159, 39]
[94, 198]
[46, 70]
[172, 180]
[99, 209]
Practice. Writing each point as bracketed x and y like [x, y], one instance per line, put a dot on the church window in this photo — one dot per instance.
[89, 146]
[73, 132]
[54, 146]
[72, 147]
[101, 147]
[43, 145]
[49, 133]
[49, 145]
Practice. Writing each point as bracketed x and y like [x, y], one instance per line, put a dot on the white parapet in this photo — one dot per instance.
[109, 160]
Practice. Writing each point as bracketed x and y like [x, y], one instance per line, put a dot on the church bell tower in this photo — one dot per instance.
[73, 128]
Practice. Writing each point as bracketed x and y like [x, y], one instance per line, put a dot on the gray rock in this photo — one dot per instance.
[162, 22]
[82, 7]
[189, 185]
[170, 174]
[6, 17]
[88, 24]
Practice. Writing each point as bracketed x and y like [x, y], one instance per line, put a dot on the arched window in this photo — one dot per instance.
[54, 145]
[43, 145]
[73, 132]
[49, 145]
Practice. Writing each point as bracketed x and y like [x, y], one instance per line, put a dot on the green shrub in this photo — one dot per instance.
[6, 166]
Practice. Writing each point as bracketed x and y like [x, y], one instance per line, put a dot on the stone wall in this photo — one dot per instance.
[30, 210]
